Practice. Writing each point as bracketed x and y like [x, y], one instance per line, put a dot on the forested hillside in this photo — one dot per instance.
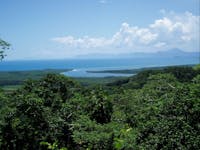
[155, 109]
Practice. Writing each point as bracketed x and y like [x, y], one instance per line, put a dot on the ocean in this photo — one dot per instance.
[80, 66]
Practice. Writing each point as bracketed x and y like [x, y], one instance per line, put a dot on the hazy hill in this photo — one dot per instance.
[167, 54]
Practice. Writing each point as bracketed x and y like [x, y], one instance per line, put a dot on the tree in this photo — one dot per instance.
[100, 106]
[3, 46]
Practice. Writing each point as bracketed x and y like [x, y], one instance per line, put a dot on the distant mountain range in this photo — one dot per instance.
[166, 54]
[177, 53]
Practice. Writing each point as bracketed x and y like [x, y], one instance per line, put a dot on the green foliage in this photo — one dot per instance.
[125, 139]
[89, 134]
[197, 67]
[183, 74]
[152, 110]
[53, 146]
[3, 46]
[170, 126]
[99, 106]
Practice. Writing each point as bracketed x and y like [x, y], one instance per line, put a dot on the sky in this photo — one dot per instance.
[61, 29]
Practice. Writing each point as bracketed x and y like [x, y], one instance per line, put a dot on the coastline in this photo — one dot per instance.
[135, 71]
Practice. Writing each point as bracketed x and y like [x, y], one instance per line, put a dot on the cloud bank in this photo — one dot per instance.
[171, 31]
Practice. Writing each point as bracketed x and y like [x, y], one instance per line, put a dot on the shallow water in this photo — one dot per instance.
[84, 73]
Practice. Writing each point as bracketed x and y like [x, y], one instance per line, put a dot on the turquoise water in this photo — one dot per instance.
[84, 73]
[81, 66]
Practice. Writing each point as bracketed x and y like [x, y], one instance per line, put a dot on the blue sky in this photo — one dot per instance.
[57, 29]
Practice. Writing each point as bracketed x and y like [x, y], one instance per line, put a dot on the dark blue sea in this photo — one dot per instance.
[81, 66]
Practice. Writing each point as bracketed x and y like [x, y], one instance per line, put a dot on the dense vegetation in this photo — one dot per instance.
[18, 77]
[155, 109]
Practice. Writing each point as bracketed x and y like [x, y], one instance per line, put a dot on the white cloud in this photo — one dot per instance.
[126, 36]
[171, 31]
[84, 42]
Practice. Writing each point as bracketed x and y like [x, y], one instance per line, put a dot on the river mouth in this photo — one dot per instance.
[89, 73]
